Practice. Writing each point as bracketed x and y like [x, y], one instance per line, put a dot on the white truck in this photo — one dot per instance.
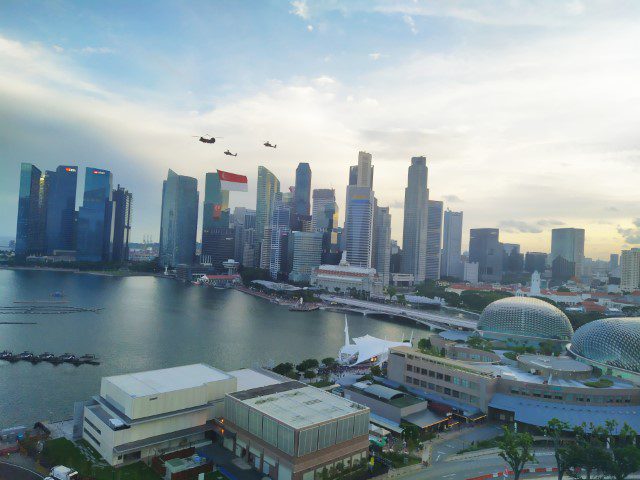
[61, 472]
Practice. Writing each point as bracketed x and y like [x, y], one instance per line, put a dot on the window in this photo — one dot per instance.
[409, 368]
[88, 422]
[473, 399]
[455, 393]
[432, 374]
[95, 440]
[431, 386]
[447, 391]
[416, 381]
[447, 378]
[424, 371]
[456, 381]
[438, 389]
[409, 379]
[439, 376]
[423, 384]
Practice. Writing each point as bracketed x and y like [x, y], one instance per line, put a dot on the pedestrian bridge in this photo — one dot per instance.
[431, 319]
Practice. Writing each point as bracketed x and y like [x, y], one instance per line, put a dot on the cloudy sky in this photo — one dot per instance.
[528, 111]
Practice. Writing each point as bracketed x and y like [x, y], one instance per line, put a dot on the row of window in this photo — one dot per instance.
[569, 397]
[463, 382]
[465, 397]
[88, 422]
[95, 440]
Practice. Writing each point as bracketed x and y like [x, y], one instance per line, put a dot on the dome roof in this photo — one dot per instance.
[611, 341]
[525, 317]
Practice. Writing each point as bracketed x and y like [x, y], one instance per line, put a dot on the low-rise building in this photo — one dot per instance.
[291, 431]
[344, 278]
[144, 414]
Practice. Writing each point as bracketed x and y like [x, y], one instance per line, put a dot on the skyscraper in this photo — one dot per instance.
[513, 260]
[535, 262]
[451, 264]
[434, 239]
[302, 194]
[307, 254]
[630, 270]
[268, 186]
[122, 204]
[567, 243]
[280, 227]
[95, 217]
[486, 251]
[179, 220]
[353, 175]
[43, 202]
[321, 198]
[218, 239]
[27, 229]
[61, 207]
[414, 237]
[359, 225]
[381, 252]
[359, 214]
[365, 170]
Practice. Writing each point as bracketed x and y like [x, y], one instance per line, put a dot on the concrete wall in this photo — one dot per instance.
[384, 409]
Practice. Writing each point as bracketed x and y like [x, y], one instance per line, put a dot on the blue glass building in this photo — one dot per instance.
[61, 206]
[27, 229]
[302, 194]
[122, 204]
[95, 217]
[179, 221]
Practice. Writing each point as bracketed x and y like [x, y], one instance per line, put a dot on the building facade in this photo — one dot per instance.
[344, 278]
[321, 198]
[268, 186]
[302, 194]
[95, 217]
[434, 239]
[27, 229]
[61, 209]
[179, 220]
[381, 252]
[567, 243]
[414, 237]
[122, 205]
[280, 229]
[307, 255]
[451, 264]
[359, 225]
[630, 270]
[535, 262]
[486, 251]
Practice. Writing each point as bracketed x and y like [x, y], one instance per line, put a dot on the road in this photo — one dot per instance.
[452, 442]
[431, 319]
[9, 471]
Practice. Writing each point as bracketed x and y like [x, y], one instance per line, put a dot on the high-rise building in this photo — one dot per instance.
[43, 202]
[365, 170]
[28, 225]
[179, 222]
[381, 251]
[327, 224]
[535, 262]
[302, 194]
[122, 204]
[321, 198]
[307, 255]
[513, 260]
[280, 228]
[614, 261]
[61, 209]
[486, 251]
[414, 237]
[359, 225]
[434, 239]
[630, 270]
[567, 243]
[268, 186]
[353, 175]
[218, 238]
[95, 217]
[451, 264]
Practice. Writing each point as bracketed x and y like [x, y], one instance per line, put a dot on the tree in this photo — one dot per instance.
[376, 371]
[516, 449]
[554, 430]
[625, 455]
[309, 374]
[588, 457]
[424, 344]
[307, 364]
[283, 368]
[391, 291]
[329, 362]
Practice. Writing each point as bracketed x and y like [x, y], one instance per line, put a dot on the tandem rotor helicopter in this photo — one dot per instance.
[210, 139]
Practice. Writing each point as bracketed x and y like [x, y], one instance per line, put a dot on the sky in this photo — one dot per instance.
[528, 111]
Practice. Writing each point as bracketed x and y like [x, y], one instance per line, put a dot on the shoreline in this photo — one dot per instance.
[103, 273]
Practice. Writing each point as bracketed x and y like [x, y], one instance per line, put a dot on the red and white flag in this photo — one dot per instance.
[233, 182]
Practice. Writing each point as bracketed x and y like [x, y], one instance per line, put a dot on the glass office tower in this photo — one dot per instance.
[28, 211]
[61, 207]
[122, 204]
[179, 221]
[95, 217]
[268, 186]
[302, 194]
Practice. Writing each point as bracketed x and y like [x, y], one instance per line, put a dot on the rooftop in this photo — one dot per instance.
[249, 378]
[154, 382]
[559, 364]
[297, 405]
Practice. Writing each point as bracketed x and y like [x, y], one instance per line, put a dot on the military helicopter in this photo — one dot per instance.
[227, 152]
[207, 140]
[267, 144]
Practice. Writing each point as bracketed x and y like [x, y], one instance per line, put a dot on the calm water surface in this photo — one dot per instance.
[150, 323]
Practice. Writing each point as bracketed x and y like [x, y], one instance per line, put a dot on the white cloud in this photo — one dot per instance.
[518, 226]
[58, 48]
[310, 28]
[300, 8]
[408, 19]
[375, 56]
[96, 50]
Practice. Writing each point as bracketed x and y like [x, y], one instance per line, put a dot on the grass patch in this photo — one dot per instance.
[321, 383]
[482, 445]
[83, 458]
[511, 355]
[600, 383]
[214, 476]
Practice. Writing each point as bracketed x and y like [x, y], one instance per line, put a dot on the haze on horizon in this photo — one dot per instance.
[528, 112]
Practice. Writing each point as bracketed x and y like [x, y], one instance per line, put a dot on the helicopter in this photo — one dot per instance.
[267, 144]
[211, 139]
[227, 152]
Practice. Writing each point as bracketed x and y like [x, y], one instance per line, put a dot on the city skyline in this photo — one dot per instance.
[501, 149]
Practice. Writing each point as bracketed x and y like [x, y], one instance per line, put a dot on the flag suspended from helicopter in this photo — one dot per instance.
[233, 182]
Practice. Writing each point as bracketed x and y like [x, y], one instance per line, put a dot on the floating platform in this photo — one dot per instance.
[86, 359]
